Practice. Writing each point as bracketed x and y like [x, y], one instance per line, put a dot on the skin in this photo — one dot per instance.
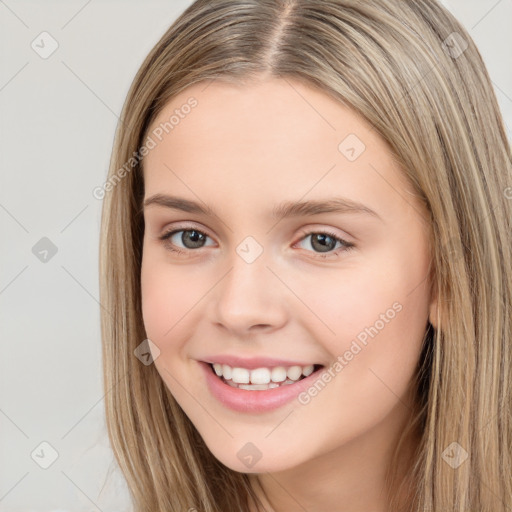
[242, 150]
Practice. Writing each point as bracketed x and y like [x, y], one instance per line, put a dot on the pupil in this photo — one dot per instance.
[193, 236]
[322, 247]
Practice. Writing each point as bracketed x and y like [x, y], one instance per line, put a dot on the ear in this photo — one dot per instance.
[432, 317]
[433, 311]
[433, 308]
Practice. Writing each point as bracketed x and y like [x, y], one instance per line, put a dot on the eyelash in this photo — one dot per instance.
[346, 246]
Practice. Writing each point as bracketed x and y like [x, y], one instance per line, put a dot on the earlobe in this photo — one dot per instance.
[434, 295]
[433, 314]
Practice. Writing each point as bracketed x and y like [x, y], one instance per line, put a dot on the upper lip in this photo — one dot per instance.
[253, 362]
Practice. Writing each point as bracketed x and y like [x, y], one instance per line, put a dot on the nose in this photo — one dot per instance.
[249, 298]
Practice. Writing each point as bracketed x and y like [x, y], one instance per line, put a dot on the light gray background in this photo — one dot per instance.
[57, 122]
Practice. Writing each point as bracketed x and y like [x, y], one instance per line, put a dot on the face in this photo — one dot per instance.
[344, 289]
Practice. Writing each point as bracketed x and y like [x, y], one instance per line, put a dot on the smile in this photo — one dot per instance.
[254, 397]
[262, 378]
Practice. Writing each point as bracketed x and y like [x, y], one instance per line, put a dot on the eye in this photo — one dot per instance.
[191, 238]
[325, 242]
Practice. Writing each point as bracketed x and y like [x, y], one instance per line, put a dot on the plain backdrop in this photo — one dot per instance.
[57, 122]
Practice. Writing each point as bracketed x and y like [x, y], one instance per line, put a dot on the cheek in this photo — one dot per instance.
[381, 321]
[349, 299]
[167, 296]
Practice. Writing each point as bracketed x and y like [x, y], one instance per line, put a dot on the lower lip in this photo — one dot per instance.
[243, 400]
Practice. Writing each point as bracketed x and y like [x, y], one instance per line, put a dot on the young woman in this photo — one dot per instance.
[306, 267]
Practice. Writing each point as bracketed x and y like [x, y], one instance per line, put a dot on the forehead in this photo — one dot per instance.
[276, 138]
[274, 112]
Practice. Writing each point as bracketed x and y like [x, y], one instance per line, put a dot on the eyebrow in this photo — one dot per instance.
[283, 210]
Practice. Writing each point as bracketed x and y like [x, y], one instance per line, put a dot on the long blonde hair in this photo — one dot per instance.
[416, 76]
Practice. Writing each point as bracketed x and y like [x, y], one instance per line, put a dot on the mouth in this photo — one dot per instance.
[262, 379]
[255, 390]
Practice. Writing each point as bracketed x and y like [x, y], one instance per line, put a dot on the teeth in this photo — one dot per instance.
[226, 371]
[260, 376]
[307, 370]
[278, 374]
[294, 372]
[264, 377]
[240, 376]
[260, 387]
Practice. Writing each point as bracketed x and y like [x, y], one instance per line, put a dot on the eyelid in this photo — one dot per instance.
[305, 231]
[320, 228]
[184, 227]
[303, 234]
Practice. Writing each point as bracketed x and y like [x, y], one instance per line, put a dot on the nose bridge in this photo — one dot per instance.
[246, 283]
[248, 294]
